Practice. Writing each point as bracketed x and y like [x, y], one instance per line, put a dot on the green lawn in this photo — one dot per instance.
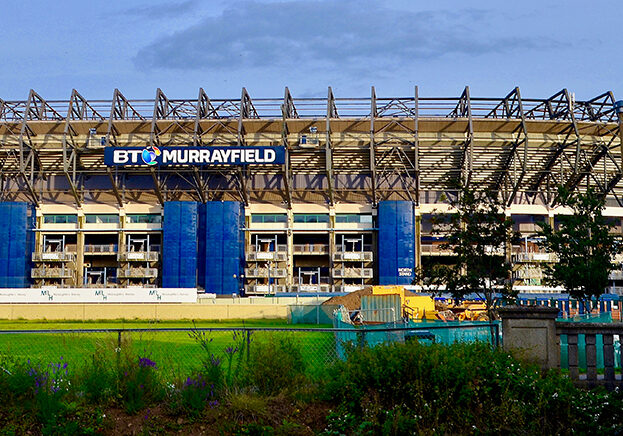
[174, 352]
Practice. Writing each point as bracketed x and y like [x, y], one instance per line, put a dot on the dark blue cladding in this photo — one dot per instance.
[221, 246]
[179, 245]
[203, 245]
[197, 156]
[396, 242]
[16, 244]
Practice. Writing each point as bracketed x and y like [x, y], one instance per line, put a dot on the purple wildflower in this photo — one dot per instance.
[145, 362]
[231, 350]
[215, 360]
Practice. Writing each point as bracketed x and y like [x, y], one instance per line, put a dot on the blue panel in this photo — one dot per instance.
[386, 241]
[4, 243]
[223, 253]
[396, 242]
[15, 251]
[201, 244]
[188, 271]
[188, 245]
[171, 245]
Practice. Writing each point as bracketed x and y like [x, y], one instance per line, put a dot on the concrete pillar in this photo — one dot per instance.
[290, 258]
[80, 251]
[530, 332]
[332, 248]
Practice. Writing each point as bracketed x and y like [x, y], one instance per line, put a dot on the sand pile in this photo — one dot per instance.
[351, 301]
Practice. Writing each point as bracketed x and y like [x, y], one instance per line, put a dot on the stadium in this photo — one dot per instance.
[255, 196]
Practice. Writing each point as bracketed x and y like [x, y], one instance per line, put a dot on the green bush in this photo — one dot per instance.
[452, 388]
[98, 379]
[139, 384]
[276, 365]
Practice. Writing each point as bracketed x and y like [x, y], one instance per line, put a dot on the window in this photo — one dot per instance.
[60, 219]
[353, 218]
[269, 218]
[151, 218]
[102, 219]
[311, 218]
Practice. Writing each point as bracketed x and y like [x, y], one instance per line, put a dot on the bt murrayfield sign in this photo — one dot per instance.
[162, 156]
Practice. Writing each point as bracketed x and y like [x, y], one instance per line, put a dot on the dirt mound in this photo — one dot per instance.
[350, 301]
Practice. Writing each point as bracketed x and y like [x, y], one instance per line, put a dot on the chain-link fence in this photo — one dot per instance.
[182, 351]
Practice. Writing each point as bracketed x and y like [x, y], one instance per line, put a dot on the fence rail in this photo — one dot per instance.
[603, 334]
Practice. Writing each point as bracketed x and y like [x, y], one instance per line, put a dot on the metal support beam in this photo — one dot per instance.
[157, 185]
[204, 110]
[115, 188]
[372, 157]
[595, 109]
[288, 111]
[464, 110]
[121, 109]
[512, 107]
[79, 110]
[416, 144]
[331, 113]
[29, 162]
[247, 110]
[559, 106]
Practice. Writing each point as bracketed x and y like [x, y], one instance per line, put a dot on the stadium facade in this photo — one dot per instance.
[281, 194]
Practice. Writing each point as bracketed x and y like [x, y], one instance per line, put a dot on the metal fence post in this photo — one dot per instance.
[119, 340]
[248, 345]
[361, 339]
[497, 335]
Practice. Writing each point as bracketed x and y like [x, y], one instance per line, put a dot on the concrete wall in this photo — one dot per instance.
[85, 312]
[217, 309]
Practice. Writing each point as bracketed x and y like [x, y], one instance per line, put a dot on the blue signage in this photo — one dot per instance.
[163, 156]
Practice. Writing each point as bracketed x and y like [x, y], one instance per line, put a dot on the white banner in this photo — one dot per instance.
[98, 295]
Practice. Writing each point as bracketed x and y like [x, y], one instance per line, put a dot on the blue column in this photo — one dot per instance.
[17, 221]
[396, 242]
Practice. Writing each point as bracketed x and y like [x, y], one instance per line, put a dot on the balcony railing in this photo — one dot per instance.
[267, 255]
[311, 248]
[340, 249]
[264, 289]
[53, 256]
[534, 257]
[348, 288]
[616, 275]
[306, 280]
[341, 273]
[146, 256]
[264, 272]
[311, 288]
[254, 249]
[353, 256]
[100, 248]
[108, 284]
[137, 272]
[53, 272]
[435, 250]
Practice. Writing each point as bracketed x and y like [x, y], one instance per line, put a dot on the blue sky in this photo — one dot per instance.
[307, 45]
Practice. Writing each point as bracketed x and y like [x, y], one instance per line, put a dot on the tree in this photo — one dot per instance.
[479, 235]
[583, 243]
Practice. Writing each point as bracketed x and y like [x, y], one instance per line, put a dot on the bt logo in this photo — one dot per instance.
[150, 153]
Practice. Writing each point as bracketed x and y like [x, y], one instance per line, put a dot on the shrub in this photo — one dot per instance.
[98, 380]
[139, 384]
[451, 388]
[195, 394]
[276, 365]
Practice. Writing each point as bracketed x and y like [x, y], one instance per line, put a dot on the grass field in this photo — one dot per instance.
[176, 352]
